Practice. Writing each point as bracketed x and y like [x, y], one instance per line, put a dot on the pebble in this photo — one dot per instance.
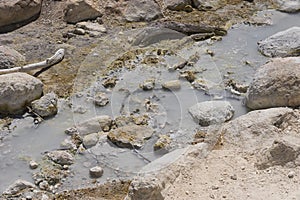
[233, 177]
[33, 164]
[172, 85]
[96, 172]
[79, 31]
[215, 187]
[44, 185]
[291, 174]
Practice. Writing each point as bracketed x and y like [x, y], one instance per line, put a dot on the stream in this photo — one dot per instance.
[234, 57]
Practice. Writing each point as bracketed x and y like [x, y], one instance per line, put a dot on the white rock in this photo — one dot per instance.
[90, 26]
[96, 172]
[33, 164]
[282, 44]
[212, 112]
[275, 84]
[18, 90]
[172, 85]
[288, 5]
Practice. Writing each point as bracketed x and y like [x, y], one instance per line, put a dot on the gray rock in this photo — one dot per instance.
[10, 58]
[211, 112]
[90, 26]
[131, 136]
[208, 5]
[61, 157]
[80, 10]
[14, 13]
[96, 172]
[18, 186]
[90, 140]
[142, 10]
[282, 44]
[177, 5]
[33, 164]
[93, 125]
[280, 153]
[100, 99]
[45, 106]
[144, 188]
[68, 144]
[172, 85]
[289, 6]
[18, 90]
[275, 84]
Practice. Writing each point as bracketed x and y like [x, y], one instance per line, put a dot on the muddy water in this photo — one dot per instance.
[235, 56]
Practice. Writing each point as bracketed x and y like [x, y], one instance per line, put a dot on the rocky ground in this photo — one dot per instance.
[254, 156]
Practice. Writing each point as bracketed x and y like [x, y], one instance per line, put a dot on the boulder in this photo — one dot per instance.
[10, 58]
[80, 10]
[211, 112]
[18, 186]
[282, 44]
[93, 125]
[142, 10]
[14, 13]
[45, 106]
[258, 129]
[17, 90]
[131, 136]
[275, 84]
[177, 5]
[289, 6]
[61, 157]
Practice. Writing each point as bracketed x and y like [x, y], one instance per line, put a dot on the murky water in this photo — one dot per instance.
[235, 56]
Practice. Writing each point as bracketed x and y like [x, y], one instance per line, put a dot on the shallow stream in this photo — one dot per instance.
[235, 57]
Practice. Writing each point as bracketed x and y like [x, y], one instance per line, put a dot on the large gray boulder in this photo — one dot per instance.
[275, 84]
[80, 10]
[16, 12]
[142, 10]
[282, 44]
[18, 90]
[211, 112]
[10, 58]
[289, 6]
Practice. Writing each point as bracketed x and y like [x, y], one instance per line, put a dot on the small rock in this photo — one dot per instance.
[172, 85]
[44, 185]
[45, 106]
[18, 186]
[79, 31]
[100, 99]
[212, 112]
[33, 164]
[163, 142]
[61, 157]
[90, 140]
[291, 174]
[177, 5]
[90, 26]
[233, 177]
[148, 84]
[110, 82]
[96, 172]
[215, 187]
[67, 144]
[130, 136]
